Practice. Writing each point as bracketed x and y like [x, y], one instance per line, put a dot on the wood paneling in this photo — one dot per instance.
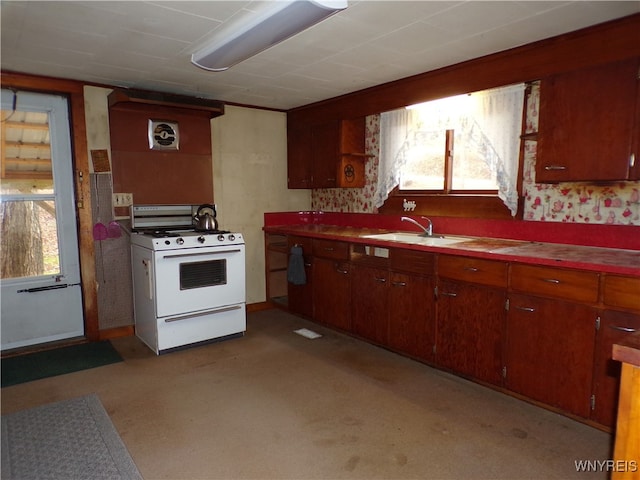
[607, 42]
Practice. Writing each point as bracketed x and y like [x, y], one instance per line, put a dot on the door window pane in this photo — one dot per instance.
[29, 235]
[26, 162]
[29, 239]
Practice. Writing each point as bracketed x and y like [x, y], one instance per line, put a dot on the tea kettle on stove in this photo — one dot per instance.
[204, 220]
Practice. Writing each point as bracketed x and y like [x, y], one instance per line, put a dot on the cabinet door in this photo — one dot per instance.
[412, 315]
[587, 123]
[299, 159]
[614, 327]
[549, 352]
[324, 151]
[300, 297]
[370, 305]
[332, 293]
[470, 326]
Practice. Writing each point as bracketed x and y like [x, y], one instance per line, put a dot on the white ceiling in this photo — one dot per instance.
[148, 45]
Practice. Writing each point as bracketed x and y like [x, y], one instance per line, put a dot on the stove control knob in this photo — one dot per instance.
[232, 237]
[221, 237]
[201, 238]
[180, 241]
[167, 242]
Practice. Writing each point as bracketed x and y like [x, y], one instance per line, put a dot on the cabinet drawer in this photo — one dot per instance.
[304, 242]
[330, 249]
[475, 270]
[555, 282]
[412, 261]
[622, 291]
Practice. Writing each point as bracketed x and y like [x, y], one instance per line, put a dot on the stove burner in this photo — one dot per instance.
[161, 234]
[212, 232]
[179, 233]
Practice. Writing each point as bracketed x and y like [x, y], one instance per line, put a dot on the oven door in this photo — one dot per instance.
[199, 279]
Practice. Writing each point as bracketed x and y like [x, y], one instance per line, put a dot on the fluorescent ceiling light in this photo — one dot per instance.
[281, 20]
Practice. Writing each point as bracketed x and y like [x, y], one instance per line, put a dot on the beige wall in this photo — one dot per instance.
[250, 178]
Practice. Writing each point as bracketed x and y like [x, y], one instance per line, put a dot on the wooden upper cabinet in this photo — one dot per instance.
[588, 124]
[324, 155]
[327, 155]
[299, 157]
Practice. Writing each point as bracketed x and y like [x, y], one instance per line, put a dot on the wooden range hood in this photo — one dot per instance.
[178, 174]
[132, 97]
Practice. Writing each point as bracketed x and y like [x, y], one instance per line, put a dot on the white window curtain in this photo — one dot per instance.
[491, 120]
[395, 127]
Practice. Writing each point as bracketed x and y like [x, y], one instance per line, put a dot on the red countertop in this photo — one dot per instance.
[605, 248]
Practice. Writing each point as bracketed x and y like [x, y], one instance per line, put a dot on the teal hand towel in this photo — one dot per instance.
[295, 271]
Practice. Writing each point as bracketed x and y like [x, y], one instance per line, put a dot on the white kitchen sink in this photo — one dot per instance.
[414, 238]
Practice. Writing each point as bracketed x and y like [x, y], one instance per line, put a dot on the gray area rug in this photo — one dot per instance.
[72, 439]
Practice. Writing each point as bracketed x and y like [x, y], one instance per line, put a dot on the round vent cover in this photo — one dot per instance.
[163, 135]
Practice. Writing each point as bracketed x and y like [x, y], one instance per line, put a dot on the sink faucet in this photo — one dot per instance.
[428, 231]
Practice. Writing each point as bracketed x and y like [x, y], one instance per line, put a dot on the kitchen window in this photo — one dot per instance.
[466, 144]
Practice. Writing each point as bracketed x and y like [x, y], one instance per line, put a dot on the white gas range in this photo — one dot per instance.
[189, 286]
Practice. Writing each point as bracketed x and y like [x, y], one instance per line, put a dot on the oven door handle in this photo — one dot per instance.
[200, 314]
[216, 252]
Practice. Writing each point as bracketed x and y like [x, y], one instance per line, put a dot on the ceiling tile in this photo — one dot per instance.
[148, 44]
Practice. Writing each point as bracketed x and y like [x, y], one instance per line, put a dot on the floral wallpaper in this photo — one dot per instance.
[564, 202]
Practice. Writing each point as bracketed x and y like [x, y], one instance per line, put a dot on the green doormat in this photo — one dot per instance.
[49, 363]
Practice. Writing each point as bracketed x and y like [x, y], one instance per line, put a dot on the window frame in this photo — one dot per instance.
[466, 203]
[449, 157]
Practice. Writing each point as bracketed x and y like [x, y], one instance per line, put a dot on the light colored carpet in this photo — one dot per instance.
[277, 405]
[67, 440]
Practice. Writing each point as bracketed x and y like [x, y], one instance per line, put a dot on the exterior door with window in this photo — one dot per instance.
[40, 268]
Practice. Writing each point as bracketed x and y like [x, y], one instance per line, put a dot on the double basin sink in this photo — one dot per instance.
[416, 239]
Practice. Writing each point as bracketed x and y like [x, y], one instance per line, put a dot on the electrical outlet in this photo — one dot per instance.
[122, 199]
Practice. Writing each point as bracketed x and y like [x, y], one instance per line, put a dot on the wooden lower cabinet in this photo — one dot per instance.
[614, 327]
[332, 293]
[370, 303]
[550, 350]
[412, 315]
[470, 326]
[543, 332]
